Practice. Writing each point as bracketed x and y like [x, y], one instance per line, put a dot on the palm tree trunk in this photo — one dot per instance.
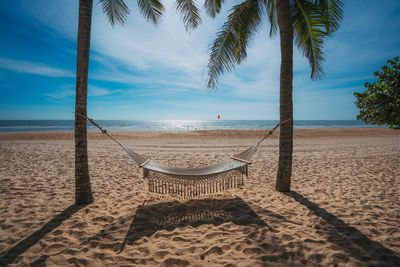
[83, 191]
[286, 104]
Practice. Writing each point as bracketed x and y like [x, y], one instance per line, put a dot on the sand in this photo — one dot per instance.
[343, 210]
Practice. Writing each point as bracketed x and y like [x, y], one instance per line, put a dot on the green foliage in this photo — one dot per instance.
[116, 11]
[230, 46]
[313, 21]
[272, 16]
[380, 103]
[190, 13]
[213, 7]
[151, 9]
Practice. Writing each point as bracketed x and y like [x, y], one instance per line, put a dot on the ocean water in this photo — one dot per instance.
[171, 125]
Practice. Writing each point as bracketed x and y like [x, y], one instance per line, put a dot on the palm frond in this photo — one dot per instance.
[115, 10]
[332, 13]
[213, 7]
[151, 9]
[270, 6]
[309, 33]
[190, 13]
[232, 41]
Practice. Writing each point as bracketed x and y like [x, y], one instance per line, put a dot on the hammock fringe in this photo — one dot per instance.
[185, 186]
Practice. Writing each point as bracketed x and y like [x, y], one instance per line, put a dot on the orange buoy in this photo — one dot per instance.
[219, 117]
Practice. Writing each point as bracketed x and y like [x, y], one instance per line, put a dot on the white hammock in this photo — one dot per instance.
[187, 182]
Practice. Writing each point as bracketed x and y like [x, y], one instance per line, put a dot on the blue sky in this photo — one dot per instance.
[144, 72]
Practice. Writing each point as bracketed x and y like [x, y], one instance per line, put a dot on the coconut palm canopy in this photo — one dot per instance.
[152, 10]
[313, 20]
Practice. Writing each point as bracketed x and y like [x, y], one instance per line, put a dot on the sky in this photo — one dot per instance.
[146, 72]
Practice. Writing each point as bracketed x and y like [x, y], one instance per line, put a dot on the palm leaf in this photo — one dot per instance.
[151, 9]
[213, 7]
[270, 5]
[232, 41]
[116, 11]
[309, 33]
[332, 13]
[190, 13]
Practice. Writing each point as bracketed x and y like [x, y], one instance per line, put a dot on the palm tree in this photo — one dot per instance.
[116, 11]
[308, 22]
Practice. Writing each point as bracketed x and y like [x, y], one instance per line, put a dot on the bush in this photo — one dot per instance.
[380, 103]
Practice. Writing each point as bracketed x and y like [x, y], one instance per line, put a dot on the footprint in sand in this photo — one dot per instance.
[214, 250]
[54, 248]
[252, 251]
[159, 255]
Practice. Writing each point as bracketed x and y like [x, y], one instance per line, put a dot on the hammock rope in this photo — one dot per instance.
[190, 182]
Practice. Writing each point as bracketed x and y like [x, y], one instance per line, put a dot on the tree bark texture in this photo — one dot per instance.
[286, 103]
[83, 191]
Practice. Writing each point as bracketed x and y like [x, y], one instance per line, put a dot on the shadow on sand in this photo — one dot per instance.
[31, 240]
[149, 219]
[348, 238]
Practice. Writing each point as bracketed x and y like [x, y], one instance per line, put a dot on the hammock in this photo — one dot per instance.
[188, 182]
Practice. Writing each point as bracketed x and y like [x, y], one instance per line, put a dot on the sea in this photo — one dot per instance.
[172, 125]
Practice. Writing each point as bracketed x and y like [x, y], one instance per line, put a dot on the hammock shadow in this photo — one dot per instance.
[169, 215]
[20, 248]
[348, 238]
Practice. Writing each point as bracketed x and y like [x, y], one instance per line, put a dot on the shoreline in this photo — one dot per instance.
[200, 134]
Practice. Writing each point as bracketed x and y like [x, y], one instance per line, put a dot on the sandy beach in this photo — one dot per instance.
[343, 210]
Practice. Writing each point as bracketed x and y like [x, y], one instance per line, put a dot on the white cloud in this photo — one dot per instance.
[148, 79]
[166, 55]
[166, 61]
[171, 57]
[142, 46]
[69, 91]
[34, 68]
[98, 91]
[61, 94]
